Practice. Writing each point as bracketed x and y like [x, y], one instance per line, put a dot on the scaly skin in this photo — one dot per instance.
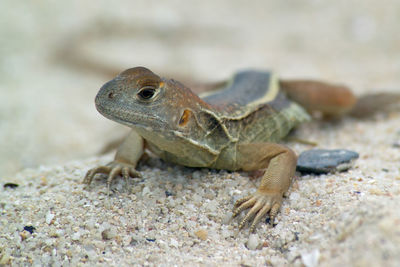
[173, 122]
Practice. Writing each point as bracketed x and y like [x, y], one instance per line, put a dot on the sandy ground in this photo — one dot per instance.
[55, 56]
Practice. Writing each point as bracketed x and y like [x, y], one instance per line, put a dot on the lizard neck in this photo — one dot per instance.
[185, 98]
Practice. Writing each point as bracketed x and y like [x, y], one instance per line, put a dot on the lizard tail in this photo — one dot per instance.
[369, 104]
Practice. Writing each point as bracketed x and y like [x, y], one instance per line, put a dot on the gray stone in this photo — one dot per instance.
[320, 161]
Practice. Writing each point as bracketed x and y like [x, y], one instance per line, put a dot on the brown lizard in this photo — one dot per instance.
[235, 127]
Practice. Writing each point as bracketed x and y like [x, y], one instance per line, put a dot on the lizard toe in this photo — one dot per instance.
[254, 210]
[112, 170]
[125, 173]
[117, 170]
[92, 172]
[240, 207]
[272, 214]
[134, 173]
[260, 204]
[260, 214]
[242, 200]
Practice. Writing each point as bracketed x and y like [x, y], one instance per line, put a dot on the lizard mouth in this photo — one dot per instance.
[131, 118]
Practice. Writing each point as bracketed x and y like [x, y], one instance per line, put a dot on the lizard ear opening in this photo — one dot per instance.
[185, 117]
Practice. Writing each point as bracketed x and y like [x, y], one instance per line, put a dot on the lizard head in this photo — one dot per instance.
[142, 100]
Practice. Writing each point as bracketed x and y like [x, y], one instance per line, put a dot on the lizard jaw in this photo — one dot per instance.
[130, 118]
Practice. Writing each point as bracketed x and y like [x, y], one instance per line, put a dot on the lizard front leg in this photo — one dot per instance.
[125, 161]
[280, 162]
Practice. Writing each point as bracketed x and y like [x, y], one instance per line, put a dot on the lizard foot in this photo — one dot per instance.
[113, 169]
[260, 203]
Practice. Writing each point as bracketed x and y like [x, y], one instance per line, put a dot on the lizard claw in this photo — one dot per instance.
[113, 169]
[260, 203]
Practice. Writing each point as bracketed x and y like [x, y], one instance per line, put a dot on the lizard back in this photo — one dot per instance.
[253, 106]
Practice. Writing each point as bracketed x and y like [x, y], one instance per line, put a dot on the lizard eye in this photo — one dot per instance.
[146, 93]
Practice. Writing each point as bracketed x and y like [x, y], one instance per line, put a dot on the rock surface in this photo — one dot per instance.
[319, 161]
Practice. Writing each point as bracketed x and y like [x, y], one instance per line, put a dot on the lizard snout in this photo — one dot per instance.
[106, 96]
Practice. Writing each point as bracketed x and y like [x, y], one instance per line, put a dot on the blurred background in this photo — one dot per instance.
[55, 55]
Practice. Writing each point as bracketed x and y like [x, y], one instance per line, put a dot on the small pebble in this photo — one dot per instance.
[24, 235]
[108, 234]
[226, 219]
[320, 161]
[310, 259]
[178, 187]
[43, 181]
[202, 234]
[225, 233]
[197, 198]
[212, 206]
[294, 196]
[174, 243]
[168, 193]
[53, 233]
[146, 191]
[133, 242]
[253, 242]
[10, 185]
[49, 217]
[76, 236]
[29, 228]
[5, 259]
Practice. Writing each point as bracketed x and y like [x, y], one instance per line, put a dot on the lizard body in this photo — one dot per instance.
[235, 127]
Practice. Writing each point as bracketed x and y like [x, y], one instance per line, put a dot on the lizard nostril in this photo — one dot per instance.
[111, 95]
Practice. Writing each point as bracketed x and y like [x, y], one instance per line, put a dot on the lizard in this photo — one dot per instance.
[236, 126]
